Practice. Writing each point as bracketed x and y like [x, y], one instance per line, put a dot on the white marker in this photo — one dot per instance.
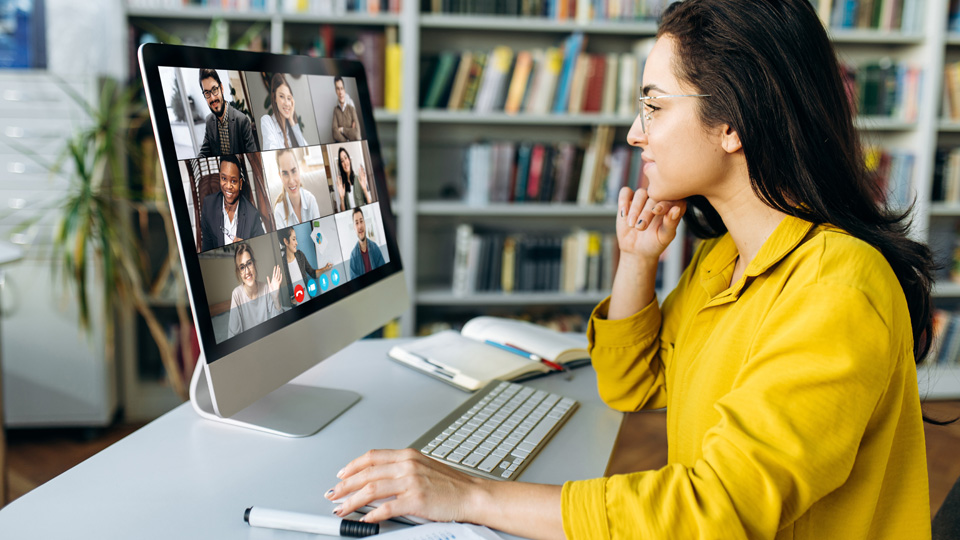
[311, 523]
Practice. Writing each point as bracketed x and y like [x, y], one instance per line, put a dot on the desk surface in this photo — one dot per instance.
[184, 477]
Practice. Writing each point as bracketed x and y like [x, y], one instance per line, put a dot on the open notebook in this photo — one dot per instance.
[492, 348]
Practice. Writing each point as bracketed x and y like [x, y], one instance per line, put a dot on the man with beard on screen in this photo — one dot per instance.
[228, 130]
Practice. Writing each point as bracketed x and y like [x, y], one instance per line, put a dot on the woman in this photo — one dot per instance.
[252, 302]
[786, 354]
[294, 204]
[281, 129]
[297, 264]
[353, 190]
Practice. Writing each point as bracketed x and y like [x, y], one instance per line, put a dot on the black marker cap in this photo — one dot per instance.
[246, 515]
[358, 529]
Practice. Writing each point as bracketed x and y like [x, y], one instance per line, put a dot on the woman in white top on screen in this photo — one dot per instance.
[353, 190]
[252, 302]
[294, 204]
[280, 129]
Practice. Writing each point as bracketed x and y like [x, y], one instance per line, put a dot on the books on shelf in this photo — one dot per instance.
[583, 11]
[495, 261]
[946, 176]
[892, 170]
[887, 15]
[489, 348]
[945, 349]
[884, 88]
[526, 172]
[318, 7]
[563, 79]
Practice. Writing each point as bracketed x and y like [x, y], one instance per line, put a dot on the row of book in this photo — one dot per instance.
[559, 320]
[318, 7]
[951, 91]
[889, 15]
[562, 79]
[945, 350]
[946, 176]
[582, 11]
[884, 88]
[892, 170]
[581, 261]
[526, 172]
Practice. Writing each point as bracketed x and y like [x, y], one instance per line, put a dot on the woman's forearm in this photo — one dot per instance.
[521, 509]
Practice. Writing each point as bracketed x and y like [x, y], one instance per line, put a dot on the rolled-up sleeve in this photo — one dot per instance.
[626, 356]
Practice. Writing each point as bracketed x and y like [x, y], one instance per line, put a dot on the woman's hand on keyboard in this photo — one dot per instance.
[422, 487]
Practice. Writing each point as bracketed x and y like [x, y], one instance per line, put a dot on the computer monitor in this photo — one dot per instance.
[279, 202]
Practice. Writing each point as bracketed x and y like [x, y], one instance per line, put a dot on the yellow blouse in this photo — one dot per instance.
[792, 402]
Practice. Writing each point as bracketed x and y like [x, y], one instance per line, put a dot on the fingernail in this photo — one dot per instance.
[328, 494]
[340, 474]
[622, 212]
[639, 222]
[337, 510]
[363, 519]
[658, 209]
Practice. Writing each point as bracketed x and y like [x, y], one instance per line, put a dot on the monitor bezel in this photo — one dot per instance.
[153, 56]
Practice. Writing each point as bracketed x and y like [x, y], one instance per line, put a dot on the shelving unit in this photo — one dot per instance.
[426, 222]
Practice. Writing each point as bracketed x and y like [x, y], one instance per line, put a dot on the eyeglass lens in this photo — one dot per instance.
[215, 91]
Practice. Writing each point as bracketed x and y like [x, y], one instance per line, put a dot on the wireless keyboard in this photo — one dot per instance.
[498, 431]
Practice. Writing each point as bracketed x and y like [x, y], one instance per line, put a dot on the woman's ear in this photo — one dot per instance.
[730, 140]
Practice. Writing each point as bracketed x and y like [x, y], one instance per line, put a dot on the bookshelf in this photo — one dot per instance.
[426, 221]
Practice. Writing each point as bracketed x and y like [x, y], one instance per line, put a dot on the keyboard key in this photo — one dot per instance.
[472, 460]
[506, 474]
[489, 463]
[541, 430]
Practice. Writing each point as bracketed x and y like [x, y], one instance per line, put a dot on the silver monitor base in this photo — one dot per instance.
[291, 410]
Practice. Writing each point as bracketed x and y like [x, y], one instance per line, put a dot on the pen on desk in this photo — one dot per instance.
[294, 521]
[437, 368]
[527, 354]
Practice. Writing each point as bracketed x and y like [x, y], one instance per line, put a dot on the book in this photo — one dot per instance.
[460, 81]
[489, 348]
[441, 79]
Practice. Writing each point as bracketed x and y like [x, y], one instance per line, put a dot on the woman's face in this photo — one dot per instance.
[344, 162]
[681, 157]
[291, 243]
[289, 173]
[248, 272]
[284, 102]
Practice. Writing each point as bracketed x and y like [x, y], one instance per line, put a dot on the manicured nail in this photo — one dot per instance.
[622, 214]
[337, 510]
[328, 494]
[340, 474]
[363, 519]
[639, 222]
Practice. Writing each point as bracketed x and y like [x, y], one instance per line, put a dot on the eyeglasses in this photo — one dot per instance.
[647, 108]
[215, 91]
[226, 231]
[249, 265]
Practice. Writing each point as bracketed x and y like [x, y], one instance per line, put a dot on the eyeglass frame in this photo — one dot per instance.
[215, 91]
[645, 116]
[249, 265]
[227, 232]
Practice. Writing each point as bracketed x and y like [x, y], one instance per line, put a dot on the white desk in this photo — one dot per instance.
[184, 477]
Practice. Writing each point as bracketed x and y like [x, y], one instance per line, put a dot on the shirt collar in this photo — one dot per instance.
[222, 119]
[717, 267]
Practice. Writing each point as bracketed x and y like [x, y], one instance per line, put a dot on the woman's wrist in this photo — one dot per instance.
[481, 501]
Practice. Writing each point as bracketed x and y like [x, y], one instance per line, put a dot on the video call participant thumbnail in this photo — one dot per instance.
[366, 255]
[353, 188]
[228, 216]
[228, 131]
[294, 204]
[346, 126]
[252, 302]
[299, 267]
[280, 129]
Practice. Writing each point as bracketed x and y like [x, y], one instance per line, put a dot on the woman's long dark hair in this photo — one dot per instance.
[773, 77]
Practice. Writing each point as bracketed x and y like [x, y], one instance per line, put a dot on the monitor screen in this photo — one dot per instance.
[276, 183]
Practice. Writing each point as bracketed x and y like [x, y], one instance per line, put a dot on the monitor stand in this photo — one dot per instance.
[292, 410]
